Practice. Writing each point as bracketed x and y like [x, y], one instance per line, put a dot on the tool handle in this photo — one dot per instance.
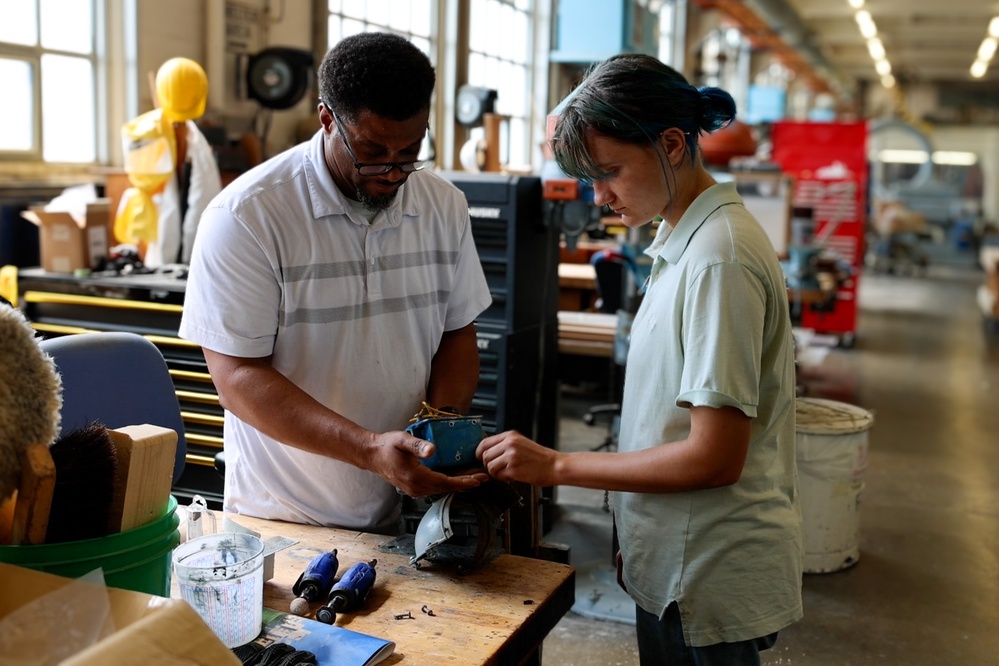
[355, 584]
[317, 579]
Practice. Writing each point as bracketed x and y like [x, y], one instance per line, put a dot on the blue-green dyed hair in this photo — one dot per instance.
[634, 98]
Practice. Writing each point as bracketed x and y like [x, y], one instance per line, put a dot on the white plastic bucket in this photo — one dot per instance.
[832, 458]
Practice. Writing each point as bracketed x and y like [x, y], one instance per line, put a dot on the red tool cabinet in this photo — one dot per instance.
[829, 164]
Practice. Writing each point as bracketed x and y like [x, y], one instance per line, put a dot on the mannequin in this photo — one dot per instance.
[171, 167]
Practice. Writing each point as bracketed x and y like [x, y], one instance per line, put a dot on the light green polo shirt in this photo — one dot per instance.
[714, 330]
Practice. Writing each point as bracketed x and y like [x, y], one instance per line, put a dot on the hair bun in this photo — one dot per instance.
[716, 108]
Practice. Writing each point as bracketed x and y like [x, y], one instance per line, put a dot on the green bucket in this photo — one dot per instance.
[137, 559]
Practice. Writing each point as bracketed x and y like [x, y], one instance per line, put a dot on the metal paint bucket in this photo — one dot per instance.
[832, 458]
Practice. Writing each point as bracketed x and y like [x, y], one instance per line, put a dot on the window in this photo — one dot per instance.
[672, 31]
[501, 34]
[412, 19]
[48, 75]
[500, 38]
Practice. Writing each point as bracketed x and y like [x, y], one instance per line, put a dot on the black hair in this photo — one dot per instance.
[377, 71]
[634, 98]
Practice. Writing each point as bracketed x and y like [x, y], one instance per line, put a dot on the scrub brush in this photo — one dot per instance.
[85, 462]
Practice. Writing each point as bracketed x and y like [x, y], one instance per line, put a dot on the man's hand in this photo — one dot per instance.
[396, 459]
[509, 456]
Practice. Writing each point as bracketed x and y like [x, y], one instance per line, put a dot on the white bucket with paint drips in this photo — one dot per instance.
[832, 458]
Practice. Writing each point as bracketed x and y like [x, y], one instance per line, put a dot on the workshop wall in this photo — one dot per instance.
[215, 33]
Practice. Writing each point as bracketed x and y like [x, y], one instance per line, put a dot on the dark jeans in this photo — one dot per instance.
[660, 642]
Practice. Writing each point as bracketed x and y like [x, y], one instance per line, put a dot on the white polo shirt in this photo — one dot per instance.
[350, 311]
[714, 330]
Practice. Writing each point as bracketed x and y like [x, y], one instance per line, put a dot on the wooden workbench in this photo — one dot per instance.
[498, 613]
[577, 285]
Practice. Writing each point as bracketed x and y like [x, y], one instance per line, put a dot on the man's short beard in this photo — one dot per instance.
[375, 204]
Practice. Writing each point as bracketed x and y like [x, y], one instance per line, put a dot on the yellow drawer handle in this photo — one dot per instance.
[202, 419]
[193, 376]
[171, 342]
[98, 301]
[193, 396]
[204, 461]
[59, 328]
[204, 440]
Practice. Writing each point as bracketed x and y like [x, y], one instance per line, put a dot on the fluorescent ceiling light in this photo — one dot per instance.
[955, 157]
[883, 67]
[978, 68]
[876, 49]
[950, 157]
[856, 4]
[903, 156]
[987, 49]
[866, 24]
[994, 27]
[888, 81]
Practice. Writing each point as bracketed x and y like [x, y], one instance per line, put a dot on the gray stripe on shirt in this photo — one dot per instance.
[340, 269]
[362, 310]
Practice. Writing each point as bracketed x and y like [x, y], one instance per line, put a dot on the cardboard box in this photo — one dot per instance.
[69, 241]
[154, 630]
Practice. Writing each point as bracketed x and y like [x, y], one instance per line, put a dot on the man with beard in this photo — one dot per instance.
[333, 290]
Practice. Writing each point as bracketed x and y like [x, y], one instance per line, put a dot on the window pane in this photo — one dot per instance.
[353, 8]
[500, 34]
[67, 25]
[18, 25]
[399, 15]
[423, 45]
[352, 27]
[522, 38]
[17, 113]
[378, 12]
[333, 5]
[420, 17]
[68, 126]
[517, 141]
[334, 30]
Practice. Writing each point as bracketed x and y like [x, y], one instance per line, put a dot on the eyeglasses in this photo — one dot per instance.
[377, 168]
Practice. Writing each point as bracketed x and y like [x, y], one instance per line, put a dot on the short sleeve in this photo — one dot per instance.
[723, 320]
[232, 300]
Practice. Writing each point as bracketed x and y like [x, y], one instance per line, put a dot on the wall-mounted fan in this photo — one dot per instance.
[279, 77]
[471, 103]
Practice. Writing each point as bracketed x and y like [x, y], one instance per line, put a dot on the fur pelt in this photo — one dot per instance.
[30, 395]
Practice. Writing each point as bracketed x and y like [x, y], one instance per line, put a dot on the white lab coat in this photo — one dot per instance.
[174, 233]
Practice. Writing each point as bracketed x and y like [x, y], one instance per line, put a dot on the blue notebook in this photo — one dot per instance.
[331, 644]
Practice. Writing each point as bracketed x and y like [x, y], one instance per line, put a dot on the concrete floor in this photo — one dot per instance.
[926, 587]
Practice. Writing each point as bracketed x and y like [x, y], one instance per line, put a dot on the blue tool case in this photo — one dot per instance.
[455, 438]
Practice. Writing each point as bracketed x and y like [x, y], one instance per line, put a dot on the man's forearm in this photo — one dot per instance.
[454, 372]
[267, 400]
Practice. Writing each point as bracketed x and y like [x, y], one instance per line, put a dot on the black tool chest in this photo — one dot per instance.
[518, 333]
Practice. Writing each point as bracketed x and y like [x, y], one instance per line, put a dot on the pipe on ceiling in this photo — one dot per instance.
[788, 24]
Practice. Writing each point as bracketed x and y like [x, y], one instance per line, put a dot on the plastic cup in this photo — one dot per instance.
[222, 577]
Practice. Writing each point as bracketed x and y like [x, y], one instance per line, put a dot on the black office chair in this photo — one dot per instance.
[615, 273]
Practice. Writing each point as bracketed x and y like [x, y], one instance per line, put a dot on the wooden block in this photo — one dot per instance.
[34, 496]
[146, 456]
[7, 517]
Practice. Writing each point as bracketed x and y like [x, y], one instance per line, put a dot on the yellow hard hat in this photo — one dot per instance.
[182, 89]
